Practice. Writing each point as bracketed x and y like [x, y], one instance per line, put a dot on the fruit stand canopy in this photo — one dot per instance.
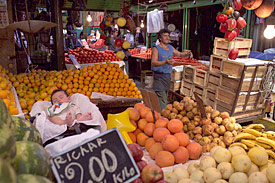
[109, 5]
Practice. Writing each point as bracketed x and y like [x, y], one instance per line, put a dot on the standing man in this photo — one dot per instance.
[162, 65]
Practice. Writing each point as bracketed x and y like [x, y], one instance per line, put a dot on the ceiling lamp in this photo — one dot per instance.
[142, 24]
[89, 17]
[269, 32]
[194, 2]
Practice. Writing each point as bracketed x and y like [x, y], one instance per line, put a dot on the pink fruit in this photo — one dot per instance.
[241, 23]
[237, 5]
[233, 54]
[136, 151]
[231, 24]
[138, 180]
[141, 164]
[222, 28]
[230, 35]
[238, 32]
[151, 174]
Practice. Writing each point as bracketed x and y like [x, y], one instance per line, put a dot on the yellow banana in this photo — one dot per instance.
[254, 132]
[258, 127]
[249, 143]
[239, 144]
[271, 153]
[244, 136]
[270, 135]
[266, 141]
[266, 146]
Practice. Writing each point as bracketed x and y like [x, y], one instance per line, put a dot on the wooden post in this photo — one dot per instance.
[84, 20]
[7, 45]
[59, 41]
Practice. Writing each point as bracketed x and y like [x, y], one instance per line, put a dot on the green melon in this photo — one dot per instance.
[30, 178]
[7, 173]
[7, 144]
[5, 117]
[25, 131]
[31, 158]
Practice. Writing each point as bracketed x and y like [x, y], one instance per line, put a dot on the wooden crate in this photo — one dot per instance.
[200, 90]
[186, 88]
[210, 94]
[212, 103]
[236, 69]
[229, 97]
[176, 76]
[195, 74]
[213, 81]
[216, 63]
[175, 85]
[234, 84]
[222, 47]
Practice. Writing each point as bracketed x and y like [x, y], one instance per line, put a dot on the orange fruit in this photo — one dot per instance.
[149, 142]
[155, 149]
[175, 125]
[181, 155]
[170, 143]
[133, 137]
[160, 133]
[161, 122]
[141, 124]
[137, 131]
[183, 138]
[138, 106]
[141, 139]
[3, 94]
[169, 159]
[149, 129]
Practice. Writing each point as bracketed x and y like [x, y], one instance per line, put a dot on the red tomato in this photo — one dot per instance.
[221, 18]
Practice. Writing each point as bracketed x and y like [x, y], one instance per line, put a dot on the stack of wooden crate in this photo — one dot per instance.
[176, 78]
[194, 80]
[235, 86]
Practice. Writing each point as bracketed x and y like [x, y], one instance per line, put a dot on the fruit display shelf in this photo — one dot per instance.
[120, 63]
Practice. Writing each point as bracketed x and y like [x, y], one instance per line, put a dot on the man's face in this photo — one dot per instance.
[165, 38]
[60, 97]
[115, 33]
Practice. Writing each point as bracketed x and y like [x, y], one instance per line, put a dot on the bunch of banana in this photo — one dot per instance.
[254, 136]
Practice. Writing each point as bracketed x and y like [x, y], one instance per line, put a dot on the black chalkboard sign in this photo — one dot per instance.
[104, 158]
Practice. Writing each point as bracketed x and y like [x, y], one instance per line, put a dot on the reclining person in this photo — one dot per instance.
[67, 121]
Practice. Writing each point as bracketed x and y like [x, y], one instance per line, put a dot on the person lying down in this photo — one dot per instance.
[63, 119]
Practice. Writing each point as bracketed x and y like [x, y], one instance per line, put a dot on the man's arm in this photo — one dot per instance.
[155, 57]
[184, 54]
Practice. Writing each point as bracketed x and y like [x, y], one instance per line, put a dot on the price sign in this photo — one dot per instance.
[102, 159]
[76, 64]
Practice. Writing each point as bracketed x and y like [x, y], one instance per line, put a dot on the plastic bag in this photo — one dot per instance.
[155, 21]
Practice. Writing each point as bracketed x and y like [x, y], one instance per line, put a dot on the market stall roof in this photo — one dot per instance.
[102, 5]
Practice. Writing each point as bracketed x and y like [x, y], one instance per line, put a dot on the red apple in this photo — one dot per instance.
[230, 24]
[233, 54]
[221, 18]
[136, 151]
[138, 180]
[222, 28]
[230, 35]
[237, 4]
[141, 164]
[151, 174]
[241, 23]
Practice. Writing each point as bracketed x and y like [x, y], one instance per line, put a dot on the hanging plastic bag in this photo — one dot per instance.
[155, 21]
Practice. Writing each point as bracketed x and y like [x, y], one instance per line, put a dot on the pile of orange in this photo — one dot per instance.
[6, 93]
[107, 78]
[163, 139]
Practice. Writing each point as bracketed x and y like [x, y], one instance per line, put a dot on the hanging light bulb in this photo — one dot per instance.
[269, 32]
[142, 24]
[89, 17]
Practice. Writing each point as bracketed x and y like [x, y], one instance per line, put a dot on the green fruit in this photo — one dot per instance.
[7, 173]
[31, 158]
[29, 178]
[25, 131]
[7, 144]
[5, 117]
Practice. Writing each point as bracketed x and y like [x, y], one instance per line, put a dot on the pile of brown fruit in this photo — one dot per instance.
[218, 128]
